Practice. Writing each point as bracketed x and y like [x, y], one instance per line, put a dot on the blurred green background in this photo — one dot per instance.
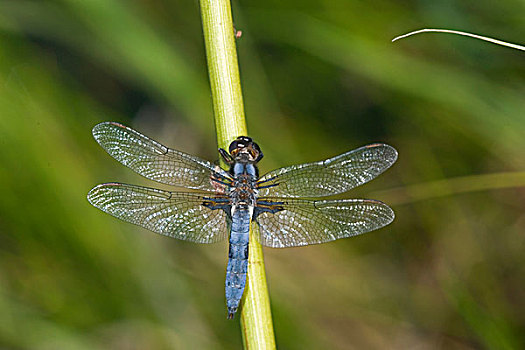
[319, 78]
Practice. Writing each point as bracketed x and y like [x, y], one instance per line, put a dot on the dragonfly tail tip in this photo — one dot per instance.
[231, 313]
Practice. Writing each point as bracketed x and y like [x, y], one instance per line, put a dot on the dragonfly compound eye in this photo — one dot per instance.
[239, 143]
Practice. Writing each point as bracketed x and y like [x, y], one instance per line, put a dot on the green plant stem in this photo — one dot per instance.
[223, 69]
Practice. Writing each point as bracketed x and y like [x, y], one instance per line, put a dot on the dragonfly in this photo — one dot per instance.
[215, 204]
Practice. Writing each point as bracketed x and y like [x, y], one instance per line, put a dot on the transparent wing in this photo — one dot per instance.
[298, 222]
[180, 215]
[157, 162]
[331, 176]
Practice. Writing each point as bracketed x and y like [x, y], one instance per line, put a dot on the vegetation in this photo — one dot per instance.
[318, 79]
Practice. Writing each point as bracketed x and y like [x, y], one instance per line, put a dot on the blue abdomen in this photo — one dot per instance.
[238, 259]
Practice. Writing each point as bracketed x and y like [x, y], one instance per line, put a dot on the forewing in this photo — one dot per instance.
[179, 215]
[304, 222]
[331, 176]
[157, 162]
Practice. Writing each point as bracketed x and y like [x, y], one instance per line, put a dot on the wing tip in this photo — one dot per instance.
[103, 125]
[91, 196]
[389, 212]
[391, 215]
[394, 153]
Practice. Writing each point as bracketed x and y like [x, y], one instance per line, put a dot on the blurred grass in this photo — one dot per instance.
[318, 79]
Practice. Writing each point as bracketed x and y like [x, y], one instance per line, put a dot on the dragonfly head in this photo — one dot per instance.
[245, 150]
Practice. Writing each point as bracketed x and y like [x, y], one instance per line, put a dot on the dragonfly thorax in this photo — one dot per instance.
[243, 192]
[242, 157]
